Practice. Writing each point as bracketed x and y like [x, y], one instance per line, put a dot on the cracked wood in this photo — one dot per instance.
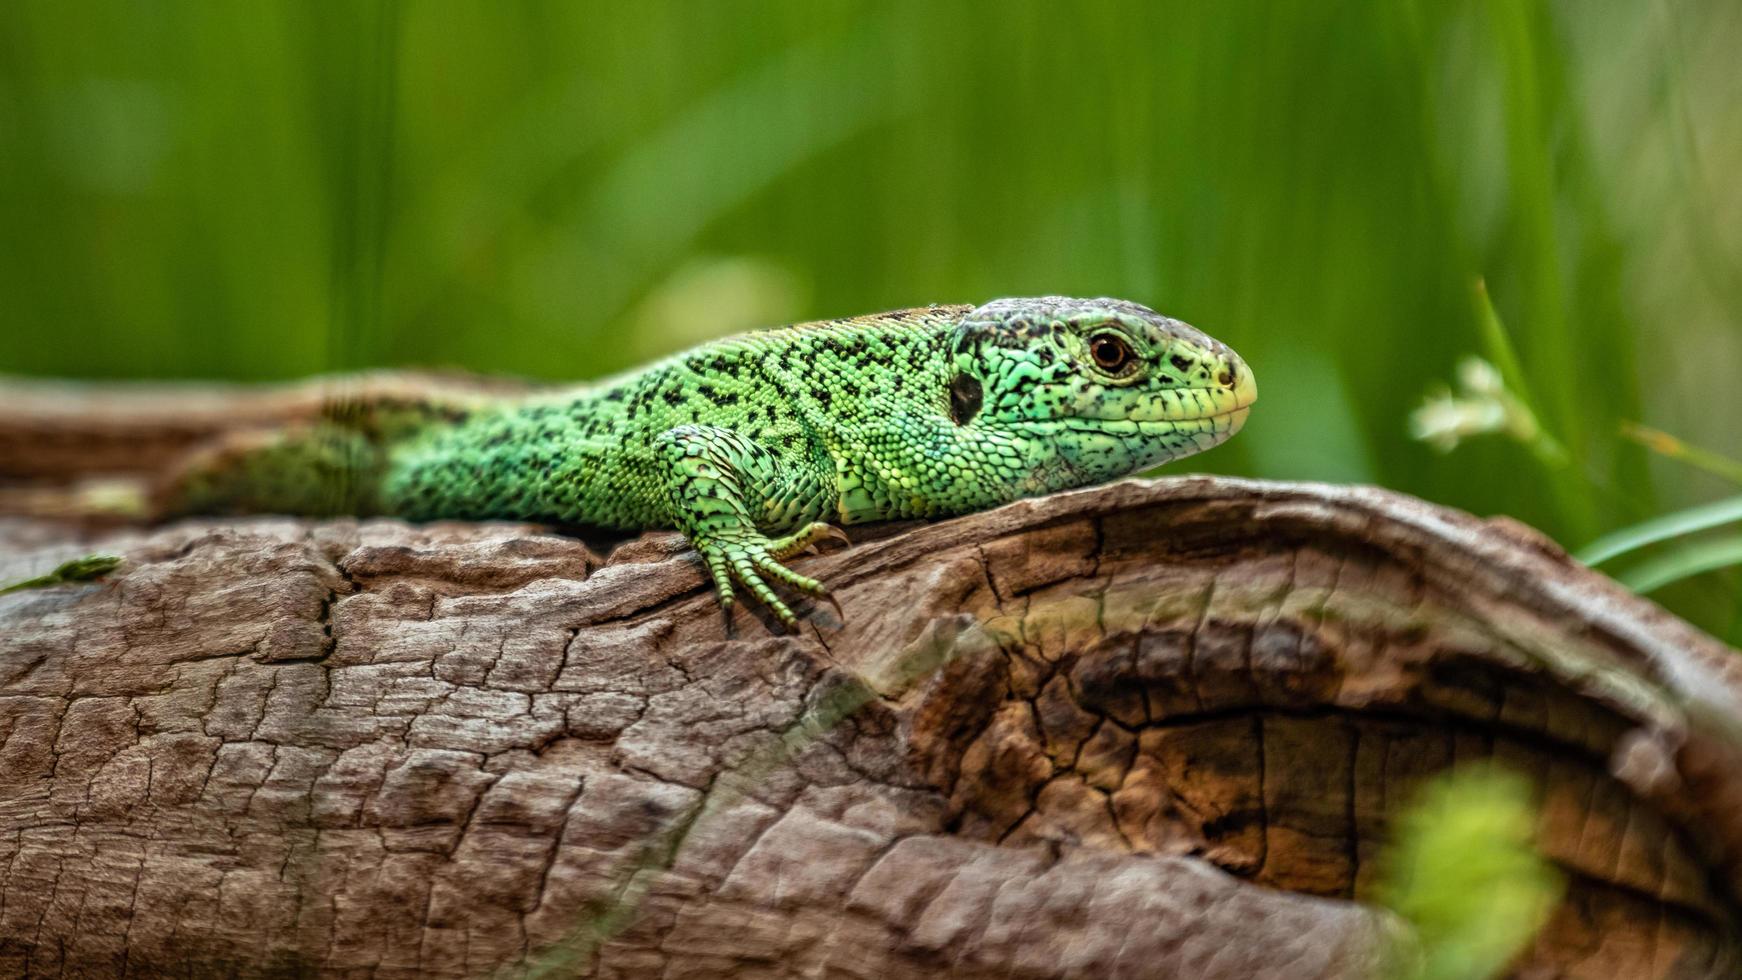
[1154, 728]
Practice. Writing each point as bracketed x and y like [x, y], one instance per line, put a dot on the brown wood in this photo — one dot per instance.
[1152, 729]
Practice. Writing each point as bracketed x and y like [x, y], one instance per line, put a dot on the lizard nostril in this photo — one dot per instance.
[1228, 376]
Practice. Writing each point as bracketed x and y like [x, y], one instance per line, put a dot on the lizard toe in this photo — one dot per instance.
[744, 569]
[746, 560]
[720, 571]
[774, 569]
[804, 538]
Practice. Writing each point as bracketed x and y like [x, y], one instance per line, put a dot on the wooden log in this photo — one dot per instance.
[1151, 729]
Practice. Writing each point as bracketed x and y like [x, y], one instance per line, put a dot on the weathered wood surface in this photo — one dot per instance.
[1145, 730]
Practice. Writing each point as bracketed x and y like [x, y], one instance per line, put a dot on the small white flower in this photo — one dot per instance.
[1481, 406]
[1480, 378]
[1444, 420]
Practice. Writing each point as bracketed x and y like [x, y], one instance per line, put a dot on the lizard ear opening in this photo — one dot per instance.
[965, 398]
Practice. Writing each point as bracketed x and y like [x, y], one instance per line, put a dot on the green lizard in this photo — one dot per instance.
[752, 445]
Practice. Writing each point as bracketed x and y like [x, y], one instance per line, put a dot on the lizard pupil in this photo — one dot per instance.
[1111, 354]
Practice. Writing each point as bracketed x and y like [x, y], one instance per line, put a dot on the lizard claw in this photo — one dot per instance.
[752, 560]
[806, 538]
[834, 535]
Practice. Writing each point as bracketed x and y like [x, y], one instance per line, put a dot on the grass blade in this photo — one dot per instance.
[1664, 444]
[86, 569]
[1663, 528]
[1686, 561]
[1498, 346]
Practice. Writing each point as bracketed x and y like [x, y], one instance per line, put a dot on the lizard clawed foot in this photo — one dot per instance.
[751, 559]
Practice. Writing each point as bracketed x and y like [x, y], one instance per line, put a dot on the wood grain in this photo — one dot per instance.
[1150, 729]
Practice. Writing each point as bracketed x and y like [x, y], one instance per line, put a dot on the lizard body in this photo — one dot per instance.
[752, 446]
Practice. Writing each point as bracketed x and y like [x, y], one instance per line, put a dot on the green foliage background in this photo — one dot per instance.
[273, 189]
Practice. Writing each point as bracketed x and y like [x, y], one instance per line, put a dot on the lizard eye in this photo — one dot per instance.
[1111, 353]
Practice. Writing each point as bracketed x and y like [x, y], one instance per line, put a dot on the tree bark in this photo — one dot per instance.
[1152, 729]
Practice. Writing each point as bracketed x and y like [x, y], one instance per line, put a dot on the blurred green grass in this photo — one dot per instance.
[275, 189]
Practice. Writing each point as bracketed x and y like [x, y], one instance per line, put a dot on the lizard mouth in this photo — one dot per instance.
[1229, 419]
[1245, 391]
[1236, 417]
[1226, 418]
[1245, 394]
[1217, 426]
[1220, 424]
[1190, 408]
[1215, 420]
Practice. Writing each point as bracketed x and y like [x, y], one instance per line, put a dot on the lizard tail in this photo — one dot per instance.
[106, 454]
[310, 471]
[318, 470]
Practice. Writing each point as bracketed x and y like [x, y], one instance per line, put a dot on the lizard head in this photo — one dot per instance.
[1109, 386]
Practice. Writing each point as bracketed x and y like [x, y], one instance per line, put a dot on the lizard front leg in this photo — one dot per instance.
[717, 484]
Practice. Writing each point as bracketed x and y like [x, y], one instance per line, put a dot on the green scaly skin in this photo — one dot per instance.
[752, 445]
